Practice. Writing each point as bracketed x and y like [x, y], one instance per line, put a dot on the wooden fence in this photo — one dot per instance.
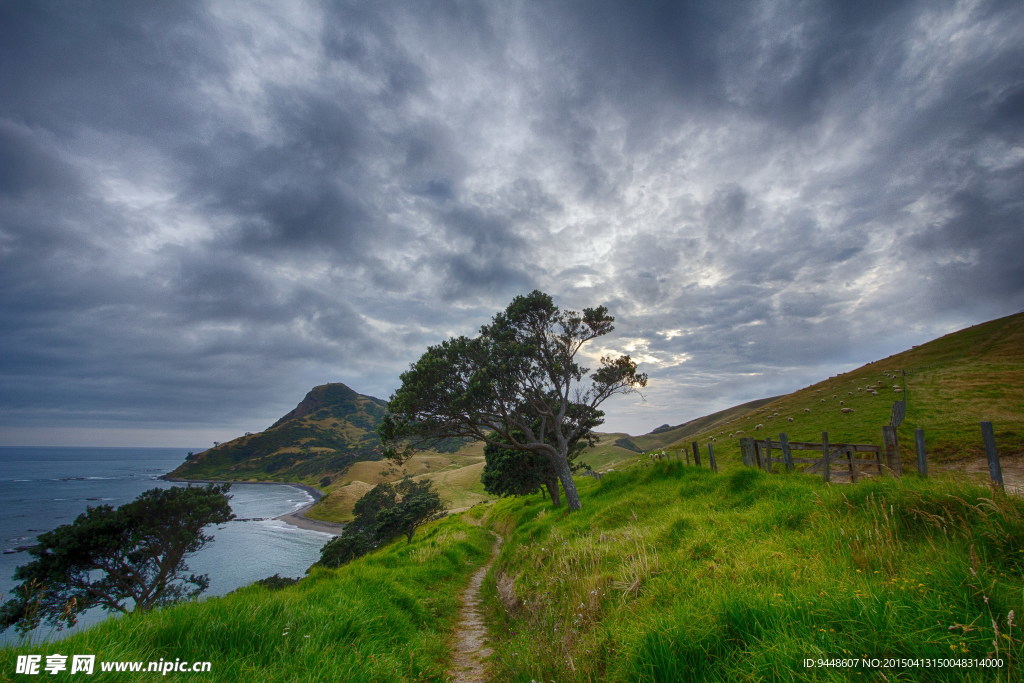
[760, 453]
[886, 457]
[684, 454]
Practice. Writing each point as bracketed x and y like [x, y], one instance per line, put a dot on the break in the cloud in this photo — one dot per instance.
[208, 207]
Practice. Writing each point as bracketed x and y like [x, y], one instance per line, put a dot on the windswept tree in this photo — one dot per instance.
[125, 559]
[516, 385]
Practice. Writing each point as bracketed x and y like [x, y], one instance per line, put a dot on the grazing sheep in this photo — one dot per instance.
[738, 432]
[846, 410]
[874, 393]
[807, 410]
[759, 426]
[898, 389]
[842, 403]
[823, 400]
[789, 419]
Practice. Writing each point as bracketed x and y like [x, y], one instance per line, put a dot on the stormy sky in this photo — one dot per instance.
[207, 208]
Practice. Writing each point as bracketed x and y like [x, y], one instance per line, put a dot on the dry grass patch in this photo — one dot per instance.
[337, 505]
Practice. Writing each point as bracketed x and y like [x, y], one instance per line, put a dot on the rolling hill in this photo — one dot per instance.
[950, 385]
[331, 428]
[329, 441]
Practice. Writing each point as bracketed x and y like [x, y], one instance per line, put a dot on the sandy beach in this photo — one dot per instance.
[296, 518]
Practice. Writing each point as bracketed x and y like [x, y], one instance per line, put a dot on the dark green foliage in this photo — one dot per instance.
[627, 443]
[276, 582]
[515, 473]
[418, 503]
[509, 472]
[130, 558]
[518, 385]
[347, 547]
[450, 445]
[386, 511]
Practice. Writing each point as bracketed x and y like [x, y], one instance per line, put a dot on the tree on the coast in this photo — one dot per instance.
[384, 512]
[124, 559]
[517, 385]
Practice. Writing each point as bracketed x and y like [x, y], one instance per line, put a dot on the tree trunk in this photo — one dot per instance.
[552, 486]
[561, 463]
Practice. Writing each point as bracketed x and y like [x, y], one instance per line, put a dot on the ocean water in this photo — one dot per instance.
[42, 488]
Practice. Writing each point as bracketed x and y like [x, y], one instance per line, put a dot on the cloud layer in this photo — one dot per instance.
[207, 208]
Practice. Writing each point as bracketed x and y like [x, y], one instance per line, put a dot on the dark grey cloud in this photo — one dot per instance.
[208, 207]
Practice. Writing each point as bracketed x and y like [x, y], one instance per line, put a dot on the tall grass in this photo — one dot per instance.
[386, 616]
[675, 573]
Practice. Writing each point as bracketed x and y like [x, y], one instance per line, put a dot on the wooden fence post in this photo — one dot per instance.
[787, 455]
[995, 470]
[711, 456]
[825, 453]
[696, 454]
[747, 450]
[853, 465]
[768, 454]
[892, 450]
[922, 458]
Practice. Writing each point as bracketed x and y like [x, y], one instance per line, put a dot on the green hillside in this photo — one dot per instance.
[330, 429]
[674, 573]
[662, 437]
[951, 385]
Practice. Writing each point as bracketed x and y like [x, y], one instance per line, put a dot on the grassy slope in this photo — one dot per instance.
[456, 477]
[675, 573]
[953, 383]
[386, 616]
[700, 425]
[605, 453]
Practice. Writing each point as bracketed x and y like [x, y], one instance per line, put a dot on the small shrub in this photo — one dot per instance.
[276, 582]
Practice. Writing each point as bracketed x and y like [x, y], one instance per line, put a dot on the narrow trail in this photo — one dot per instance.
[471, 649]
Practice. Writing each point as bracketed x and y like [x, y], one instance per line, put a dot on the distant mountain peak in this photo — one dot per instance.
[332, 427]
[319, 398]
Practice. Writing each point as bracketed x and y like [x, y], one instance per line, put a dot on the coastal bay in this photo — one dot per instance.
[42, 488]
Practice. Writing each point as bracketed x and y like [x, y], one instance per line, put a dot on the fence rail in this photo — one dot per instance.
[887, 458]
[760, 452]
